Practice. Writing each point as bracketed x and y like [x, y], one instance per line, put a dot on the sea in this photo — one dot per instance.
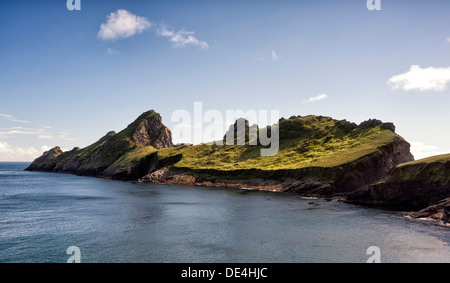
[42, 215]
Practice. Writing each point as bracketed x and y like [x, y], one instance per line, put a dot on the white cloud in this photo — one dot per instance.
[42, 133]
[111, 51]
[12, 118]
[316, 98]
[122, 24]
[448, 39]
[181, 38]
[10, 153]
[421, 150]
[274, 55]
[422, 79]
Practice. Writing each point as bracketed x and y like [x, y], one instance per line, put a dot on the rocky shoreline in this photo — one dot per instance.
[306, 188]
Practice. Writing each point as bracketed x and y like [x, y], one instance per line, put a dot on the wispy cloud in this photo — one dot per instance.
[65, 135]
[12, 118]
[316, 98]
[181, 38]
[274, 55]
[111, 51]
[421, 150]
[40, 133]
[122, 24]
[421, 79]
[448, 39]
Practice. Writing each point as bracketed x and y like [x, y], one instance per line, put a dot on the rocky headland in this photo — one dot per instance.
[319, 156]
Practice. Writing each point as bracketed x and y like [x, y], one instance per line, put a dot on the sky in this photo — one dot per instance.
[67, 77]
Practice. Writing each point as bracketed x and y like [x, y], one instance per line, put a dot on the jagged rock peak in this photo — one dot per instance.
[148, 129]
[149, 115]
[53, 153]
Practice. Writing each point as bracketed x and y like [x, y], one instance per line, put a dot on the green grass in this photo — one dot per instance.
[434, 159]
[134, 156]
[305, 142]
[431, 169]
[117, 148]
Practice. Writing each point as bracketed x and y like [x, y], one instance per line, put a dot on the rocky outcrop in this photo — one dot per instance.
[96, 159]
[149, 130]
[410, 186]
[48, 161]
[164, 176]
[402, 195]
[374, 123]
[311, 187]
[241, 132]
[439, 211]
[371, 168]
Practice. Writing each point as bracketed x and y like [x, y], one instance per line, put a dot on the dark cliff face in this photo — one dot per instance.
[372, 168]
[420, 185]
[308, 182]
[47, 162]
[147, 130]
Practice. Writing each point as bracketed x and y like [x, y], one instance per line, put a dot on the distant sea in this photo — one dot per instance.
[42, 214]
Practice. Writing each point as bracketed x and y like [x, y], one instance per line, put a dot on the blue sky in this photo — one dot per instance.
[64, 82]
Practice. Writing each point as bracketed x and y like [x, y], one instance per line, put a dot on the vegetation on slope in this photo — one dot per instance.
[125, 148]
[313, 146]
[311, 141]
[432, 169]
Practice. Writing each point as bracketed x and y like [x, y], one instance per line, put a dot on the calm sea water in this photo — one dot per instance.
[42, 214]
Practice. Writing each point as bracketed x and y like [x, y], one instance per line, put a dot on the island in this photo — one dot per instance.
[319, 156]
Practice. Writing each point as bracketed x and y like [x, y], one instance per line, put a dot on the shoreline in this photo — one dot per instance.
[260, 185]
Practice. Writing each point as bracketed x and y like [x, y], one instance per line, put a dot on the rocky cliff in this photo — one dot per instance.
[308, 181]
[422, 186]
[100, 158]
[318, 156]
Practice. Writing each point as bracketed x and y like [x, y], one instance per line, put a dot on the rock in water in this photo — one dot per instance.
[438, 211]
